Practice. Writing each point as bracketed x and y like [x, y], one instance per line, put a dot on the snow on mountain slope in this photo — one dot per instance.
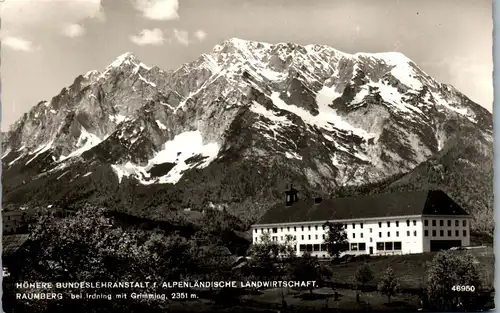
[333, 118]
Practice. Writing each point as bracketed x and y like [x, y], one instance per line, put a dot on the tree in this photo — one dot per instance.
[363, 275]
[389, 285]
[308, 268]
[447, 271]
[336, 239]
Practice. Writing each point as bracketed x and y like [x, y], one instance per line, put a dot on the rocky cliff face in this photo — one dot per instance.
[235, 126]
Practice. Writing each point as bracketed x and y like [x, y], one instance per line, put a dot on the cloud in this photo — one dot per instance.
[73, 30]
[28, 14]
[17, 43]
[162, 10]
[149, 37]
[200, 34]
[182, 37]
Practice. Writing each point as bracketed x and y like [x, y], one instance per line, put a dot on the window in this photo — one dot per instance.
[353, 225]
[449, 233]
[256, 231]
[316, 227]
[288, 228]
[323, 247]
[371, 239]
[388, 234]
[275, 230]
[371, 230]
[449, 223]
[316, 236]
[380, 234]
[294, 237]
[354, 247]
[388, 246]
[309, 237]
[456, 223]
[302, 248]
[362, 246]
[379, 224]
[408, 233]
[441, 223]
[414, 222]
[275, 238]
[397, 223]
[281, 238]
[302, 237]
[323, 236]
[388, 224]
[323, 227]
[465, 233]
[353, 235]
[302, 228]
[397, 233]
[316, 248]
[345, 226]
[309, 228]
[361, 225]
[380, 246]
[397, 245]
[415, 233]
[426, 233]
[294, 228]
[407, 222]
[262, 230]
[441, 233]
[361, 235]
[464, 223]
[433, 222]
[433, 233]
[426, 222]
[456, 233]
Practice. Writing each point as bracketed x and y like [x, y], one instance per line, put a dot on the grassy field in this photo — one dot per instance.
[411, 269]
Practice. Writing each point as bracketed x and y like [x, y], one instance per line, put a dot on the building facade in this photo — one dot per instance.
[373, 224]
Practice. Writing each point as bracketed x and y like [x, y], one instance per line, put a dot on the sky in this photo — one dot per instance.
[46, 44]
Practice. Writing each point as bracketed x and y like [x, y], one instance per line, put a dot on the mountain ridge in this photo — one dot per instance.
[322, 117]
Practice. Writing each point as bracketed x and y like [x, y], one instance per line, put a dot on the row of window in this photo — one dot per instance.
[312, 248]
[408, 234]
[316, 227]
[441, 223]
[389, 246]
[441, 233]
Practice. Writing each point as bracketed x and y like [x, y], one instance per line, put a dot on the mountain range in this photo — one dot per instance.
[234, 127]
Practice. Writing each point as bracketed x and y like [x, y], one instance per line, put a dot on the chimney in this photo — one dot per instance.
[317, 200]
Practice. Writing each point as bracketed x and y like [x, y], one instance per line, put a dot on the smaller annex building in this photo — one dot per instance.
[389, 223]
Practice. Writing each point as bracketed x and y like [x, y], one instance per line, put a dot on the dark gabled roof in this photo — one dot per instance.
[11, 243]
[424, 202]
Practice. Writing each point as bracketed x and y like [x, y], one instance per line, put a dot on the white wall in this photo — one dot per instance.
[455, 230]
[410, 243]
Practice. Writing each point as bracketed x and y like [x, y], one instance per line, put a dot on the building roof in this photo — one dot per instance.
[424, 202]
[11, 243]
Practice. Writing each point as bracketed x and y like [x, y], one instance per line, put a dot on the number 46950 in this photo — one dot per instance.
[463, 288]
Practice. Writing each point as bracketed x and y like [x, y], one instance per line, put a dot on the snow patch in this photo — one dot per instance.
[325, 119]
[85, 142]
[178, 151]
[160, 125]
[40, 150]
[117, 118]
[293, 155]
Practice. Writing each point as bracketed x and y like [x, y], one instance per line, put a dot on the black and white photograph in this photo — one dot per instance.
[247, 156]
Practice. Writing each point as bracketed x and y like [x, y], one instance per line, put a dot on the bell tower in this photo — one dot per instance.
[291, 196]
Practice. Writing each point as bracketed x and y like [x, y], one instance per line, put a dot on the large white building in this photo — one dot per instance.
[392, 223]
